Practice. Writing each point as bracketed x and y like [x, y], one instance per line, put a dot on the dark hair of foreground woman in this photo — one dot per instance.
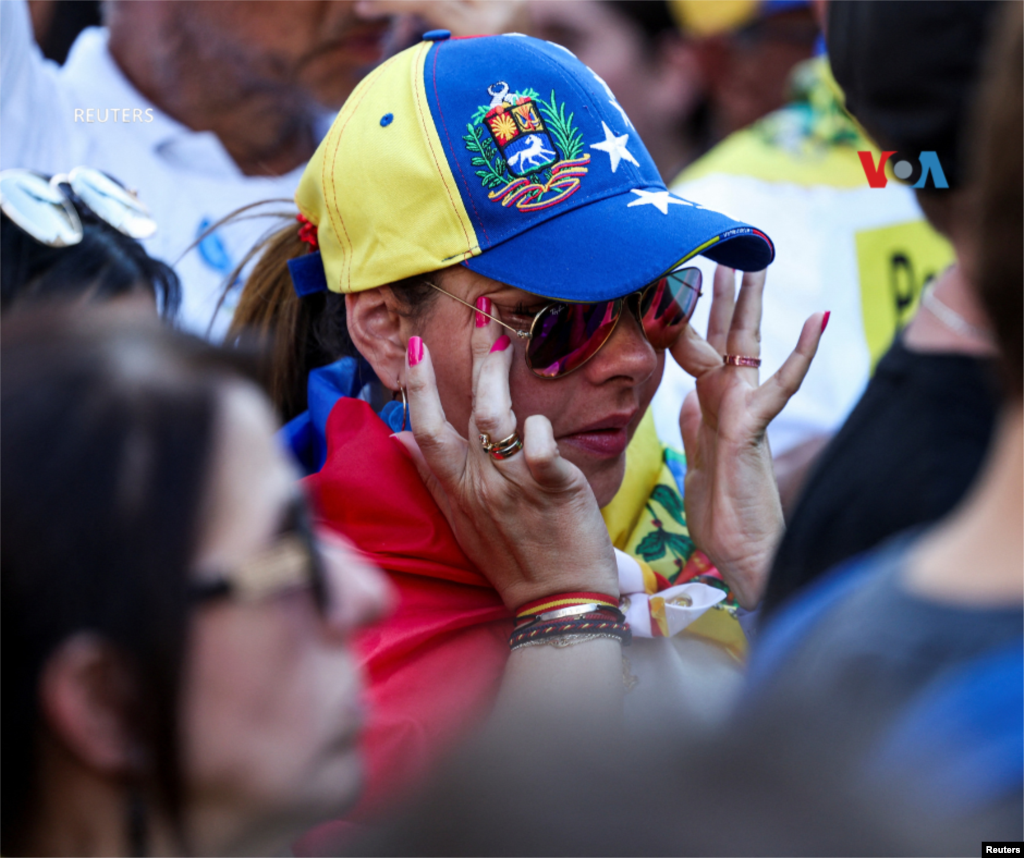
[108, 432]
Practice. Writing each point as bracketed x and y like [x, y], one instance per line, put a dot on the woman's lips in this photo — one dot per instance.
[606, 438]
[600, 443]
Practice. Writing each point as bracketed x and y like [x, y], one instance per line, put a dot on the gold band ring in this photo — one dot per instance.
[504, 449]
[741, 360]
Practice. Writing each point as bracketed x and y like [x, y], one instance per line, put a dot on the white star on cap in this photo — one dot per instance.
[615, 147]
[659, 199]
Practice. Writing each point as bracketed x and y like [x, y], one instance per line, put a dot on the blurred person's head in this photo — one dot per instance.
[176, 670]
[306, 51]
[59, 250]
[746, 50]
[910, 73]
[996, 254]
[637, 48]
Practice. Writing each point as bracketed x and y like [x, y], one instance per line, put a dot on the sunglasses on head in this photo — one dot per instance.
[48, 209]
[293, 560]
[564, 336]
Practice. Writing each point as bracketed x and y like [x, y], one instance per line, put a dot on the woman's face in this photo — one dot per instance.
[593, 411]
[271, 700]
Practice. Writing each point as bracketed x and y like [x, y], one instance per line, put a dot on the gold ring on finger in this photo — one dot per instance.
[742, 360]
[504, 449]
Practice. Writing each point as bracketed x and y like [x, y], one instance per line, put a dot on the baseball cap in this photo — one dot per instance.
[508, 155]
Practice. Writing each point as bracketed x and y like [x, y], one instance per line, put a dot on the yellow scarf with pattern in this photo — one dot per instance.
[646, 519]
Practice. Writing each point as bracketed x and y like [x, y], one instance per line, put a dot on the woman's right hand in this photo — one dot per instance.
[530, 523]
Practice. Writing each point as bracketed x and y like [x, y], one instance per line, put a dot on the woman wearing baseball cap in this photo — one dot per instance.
[488, 256]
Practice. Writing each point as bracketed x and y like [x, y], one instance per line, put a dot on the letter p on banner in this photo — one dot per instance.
[875, 175]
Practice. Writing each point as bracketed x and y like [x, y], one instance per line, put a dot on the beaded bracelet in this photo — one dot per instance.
[564, 641]
[534, 634]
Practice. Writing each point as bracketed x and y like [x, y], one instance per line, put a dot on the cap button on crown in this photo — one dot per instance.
[436, 35]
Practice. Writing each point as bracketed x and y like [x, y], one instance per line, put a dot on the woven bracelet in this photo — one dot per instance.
[540, 632]
[565, 641]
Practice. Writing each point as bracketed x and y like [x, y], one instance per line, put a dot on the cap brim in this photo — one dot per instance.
[617, 245]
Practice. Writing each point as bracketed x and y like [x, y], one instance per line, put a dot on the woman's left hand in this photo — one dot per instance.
[732, 501]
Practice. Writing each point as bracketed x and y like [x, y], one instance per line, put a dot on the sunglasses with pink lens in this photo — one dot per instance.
[564, 336]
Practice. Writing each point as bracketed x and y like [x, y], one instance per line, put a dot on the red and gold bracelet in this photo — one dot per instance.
[565, 600]
[569, 618]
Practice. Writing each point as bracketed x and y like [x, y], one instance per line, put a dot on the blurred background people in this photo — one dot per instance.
[864, 253]
[921, 641]
[637, 49]
[203, 108]
[917, 437]
[54, 247]
[176, 671]
[745, 50]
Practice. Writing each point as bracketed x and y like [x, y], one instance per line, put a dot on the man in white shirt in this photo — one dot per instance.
[203, 108]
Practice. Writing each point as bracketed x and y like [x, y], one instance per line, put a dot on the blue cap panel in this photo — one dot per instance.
[628, 243]
[530, 132]
[565, 200]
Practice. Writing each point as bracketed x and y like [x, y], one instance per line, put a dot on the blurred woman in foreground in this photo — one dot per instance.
[176, 670]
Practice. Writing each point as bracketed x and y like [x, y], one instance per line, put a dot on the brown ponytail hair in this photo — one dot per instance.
[296, 334]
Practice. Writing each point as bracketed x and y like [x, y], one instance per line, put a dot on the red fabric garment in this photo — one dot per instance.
[433, 667]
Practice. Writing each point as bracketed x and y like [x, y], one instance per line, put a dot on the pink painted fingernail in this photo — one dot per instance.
[824, 321]
[502, 343]
[415, 350]
[483, 304]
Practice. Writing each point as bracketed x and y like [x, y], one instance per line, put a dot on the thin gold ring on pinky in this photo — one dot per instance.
[504, 449]
[741, 360]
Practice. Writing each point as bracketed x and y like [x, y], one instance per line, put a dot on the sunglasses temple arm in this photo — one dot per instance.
[516, 331]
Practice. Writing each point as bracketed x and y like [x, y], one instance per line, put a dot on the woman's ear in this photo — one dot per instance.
[378, 332]
[86, 699]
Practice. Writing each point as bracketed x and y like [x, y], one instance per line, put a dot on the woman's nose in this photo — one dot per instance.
[358, 593]
[627, 353]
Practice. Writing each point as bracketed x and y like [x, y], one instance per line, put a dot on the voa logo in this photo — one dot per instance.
[905, 169]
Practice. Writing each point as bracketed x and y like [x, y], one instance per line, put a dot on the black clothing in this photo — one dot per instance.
[905, 456]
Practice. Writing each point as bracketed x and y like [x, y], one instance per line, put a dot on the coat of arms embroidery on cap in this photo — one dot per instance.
[526, 150]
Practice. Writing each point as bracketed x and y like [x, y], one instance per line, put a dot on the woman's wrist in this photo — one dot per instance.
[566, 619]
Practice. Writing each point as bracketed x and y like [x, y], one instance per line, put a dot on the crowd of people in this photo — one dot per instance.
[376, 482]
